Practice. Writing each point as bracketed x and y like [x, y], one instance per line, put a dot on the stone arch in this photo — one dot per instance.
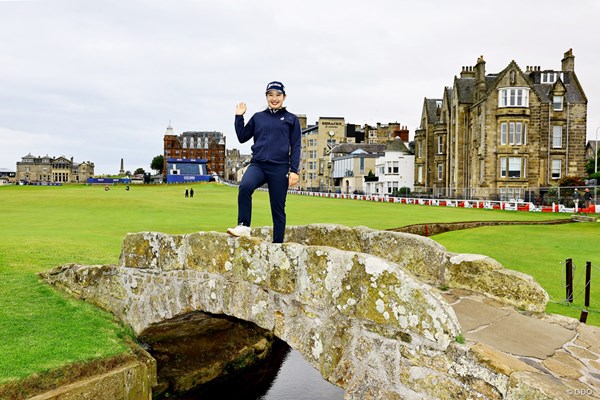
[365, 323]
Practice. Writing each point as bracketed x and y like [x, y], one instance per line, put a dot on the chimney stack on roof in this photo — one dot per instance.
[568, 61]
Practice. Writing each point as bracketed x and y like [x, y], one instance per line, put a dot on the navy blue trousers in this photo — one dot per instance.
[275, 176]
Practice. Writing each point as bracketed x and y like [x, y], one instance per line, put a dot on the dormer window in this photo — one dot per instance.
[550, 77]
[513, 97]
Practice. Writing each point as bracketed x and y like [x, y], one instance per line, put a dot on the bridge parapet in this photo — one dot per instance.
[426, 259]
[366, 323]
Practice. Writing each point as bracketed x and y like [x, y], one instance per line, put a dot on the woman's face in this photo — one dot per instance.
[275, 99]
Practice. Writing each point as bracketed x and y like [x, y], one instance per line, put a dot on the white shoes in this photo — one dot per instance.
[239, 230]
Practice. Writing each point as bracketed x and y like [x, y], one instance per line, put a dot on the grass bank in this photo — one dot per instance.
[541, 251]
[41, 227]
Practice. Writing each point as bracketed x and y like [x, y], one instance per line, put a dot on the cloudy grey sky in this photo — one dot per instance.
[100, 80]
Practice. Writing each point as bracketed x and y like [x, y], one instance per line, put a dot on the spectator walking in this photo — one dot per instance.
[587, 196]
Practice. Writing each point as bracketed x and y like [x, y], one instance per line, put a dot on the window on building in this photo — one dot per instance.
[519, 137]
[420, 174]
[504, 133]
[420, 154]
[513, 97]
[556, 168]
[514, 193]
[510, 194]
[440, 172]
[557, 103]
[440, 145]
[503, 196]
[361, 166]
[556, 137]
[512, 167]
[512, 133]
[550, 77]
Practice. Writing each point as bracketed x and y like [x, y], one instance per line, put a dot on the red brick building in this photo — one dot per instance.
[196, 145]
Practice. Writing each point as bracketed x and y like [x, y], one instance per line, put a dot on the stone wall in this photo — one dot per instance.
[368, 324]
[427, 260]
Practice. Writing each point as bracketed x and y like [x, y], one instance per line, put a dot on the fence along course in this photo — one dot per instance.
[484, 204]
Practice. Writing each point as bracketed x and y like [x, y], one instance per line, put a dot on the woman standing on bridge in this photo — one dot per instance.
[275, 159]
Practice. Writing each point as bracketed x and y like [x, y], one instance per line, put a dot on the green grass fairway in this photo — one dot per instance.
[42, 227]
[541, 251]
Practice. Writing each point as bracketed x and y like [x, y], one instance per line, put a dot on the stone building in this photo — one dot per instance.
[235, 163]
[35, 169]
[591, 149]
[502, 135]
[317, 142]
[385, 133]
[209, 146]
[316, 166]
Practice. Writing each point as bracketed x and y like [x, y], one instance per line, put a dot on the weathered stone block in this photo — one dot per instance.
[485, 275]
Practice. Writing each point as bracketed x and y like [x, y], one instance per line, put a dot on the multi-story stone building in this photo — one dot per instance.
[35, 169]
[235, 163]
[385, 133]
[190, 145]
[316, 167]
[317, 142]
[502, 135]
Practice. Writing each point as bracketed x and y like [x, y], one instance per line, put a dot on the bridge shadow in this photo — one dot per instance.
[206, 356]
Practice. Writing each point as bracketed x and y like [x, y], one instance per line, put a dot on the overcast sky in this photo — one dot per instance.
[100, 80]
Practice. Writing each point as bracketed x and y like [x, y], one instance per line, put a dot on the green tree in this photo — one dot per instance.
[139, 171]
[157, 163]
[590, 164]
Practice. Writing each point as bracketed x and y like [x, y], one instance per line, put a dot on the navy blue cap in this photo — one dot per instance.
[275, 86]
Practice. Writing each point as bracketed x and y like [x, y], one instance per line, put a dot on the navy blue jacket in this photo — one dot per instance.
[276, 136]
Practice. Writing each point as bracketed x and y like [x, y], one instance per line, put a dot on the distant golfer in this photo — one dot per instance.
[275, 159]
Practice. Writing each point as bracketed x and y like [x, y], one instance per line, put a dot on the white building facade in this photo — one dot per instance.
[393, 171]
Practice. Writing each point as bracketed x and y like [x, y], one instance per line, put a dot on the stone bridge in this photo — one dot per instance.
[362, 306]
